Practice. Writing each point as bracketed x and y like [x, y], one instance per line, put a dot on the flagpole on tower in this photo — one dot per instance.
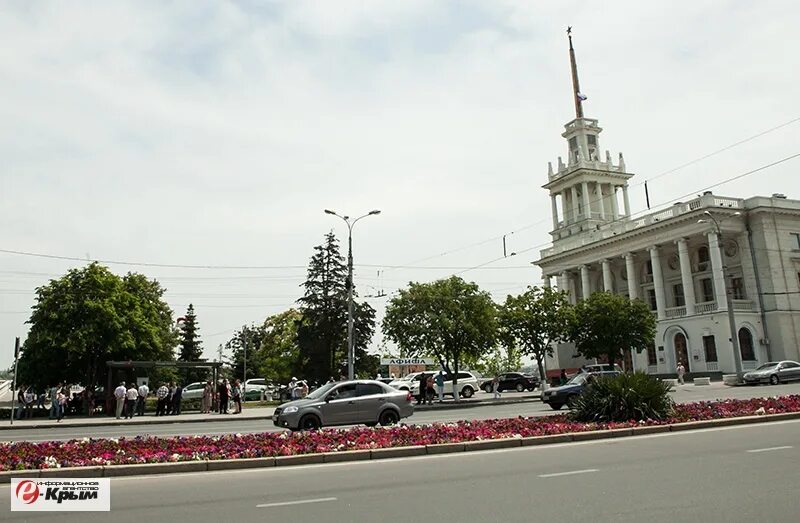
[575, 84]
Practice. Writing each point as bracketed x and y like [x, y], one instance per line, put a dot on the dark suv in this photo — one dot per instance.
[513, 381]
[557, 397]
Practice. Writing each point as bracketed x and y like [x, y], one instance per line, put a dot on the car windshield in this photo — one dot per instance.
[767, 365]
[580, 379]
[320, 392]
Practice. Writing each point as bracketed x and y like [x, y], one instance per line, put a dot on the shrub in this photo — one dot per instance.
[626, 397]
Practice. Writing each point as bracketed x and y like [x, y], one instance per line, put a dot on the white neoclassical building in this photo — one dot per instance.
[691, 262]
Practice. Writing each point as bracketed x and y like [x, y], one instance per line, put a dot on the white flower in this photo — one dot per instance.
[51, 462]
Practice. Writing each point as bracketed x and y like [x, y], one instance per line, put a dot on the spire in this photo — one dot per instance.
[575, 85]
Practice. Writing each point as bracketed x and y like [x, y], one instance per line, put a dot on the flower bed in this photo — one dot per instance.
[112, 451]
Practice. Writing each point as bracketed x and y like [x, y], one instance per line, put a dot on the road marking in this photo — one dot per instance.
[771, 448]
[570, 473]
[297, 502]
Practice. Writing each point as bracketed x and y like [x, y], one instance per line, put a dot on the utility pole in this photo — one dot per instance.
[14, 390]
[244, 378]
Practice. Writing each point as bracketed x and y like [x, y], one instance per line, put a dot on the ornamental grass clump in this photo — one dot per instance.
[635, 396]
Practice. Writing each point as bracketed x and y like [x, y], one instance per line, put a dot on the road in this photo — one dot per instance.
[682, 394]
[743, 473]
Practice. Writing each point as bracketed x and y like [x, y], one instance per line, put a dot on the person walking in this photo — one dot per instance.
[177, 398]
[562, 379]
[236, 394]
[496, 387]
[119, 395]
[161, 399]
[440, 385]
[20, 402]
[681, 371]
[61, 400]
[223, 397]
[207, 392]
[131, 397]
[54, 401]
[141, 399]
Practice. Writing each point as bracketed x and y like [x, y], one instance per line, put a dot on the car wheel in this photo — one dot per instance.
[773, 380]
[467, 392]
[556, 406]
[389, 417]
[520, 387]
[309, 422]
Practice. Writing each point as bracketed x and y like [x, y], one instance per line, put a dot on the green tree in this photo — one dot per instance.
[533, 321]
[450, 319]
[322, 333]
[607, 325]
[90, 316]
[501, 359]
[190, 349]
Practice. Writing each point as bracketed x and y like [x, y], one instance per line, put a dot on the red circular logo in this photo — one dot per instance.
[27, 491]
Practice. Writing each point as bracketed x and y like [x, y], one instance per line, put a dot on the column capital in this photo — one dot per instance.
[653, 248]
[681, 240]
[627, 255]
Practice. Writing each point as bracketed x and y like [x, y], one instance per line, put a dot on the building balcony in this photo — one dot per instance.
[675, 312]
[743, 305]
[706, 306]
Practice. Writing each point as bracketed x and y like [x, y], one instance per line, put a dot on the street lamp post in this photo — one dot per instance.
[350, 348]
[737, 355]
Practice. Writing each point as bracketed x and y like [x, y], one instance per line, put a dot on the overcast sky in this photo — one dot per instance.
[215, 133]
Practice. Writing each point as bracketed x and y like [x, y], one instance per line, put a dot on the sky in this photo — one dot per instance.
[214, 133]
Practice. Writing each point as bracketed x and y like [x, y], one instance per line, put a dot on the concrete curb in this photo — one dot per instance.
[387, 453]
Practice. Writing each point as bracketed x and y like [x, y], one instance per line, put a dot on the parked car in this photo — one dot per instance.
[557, 397]
[256, 387]
[774, 372]
[346, 403]
[599, 367]
[467, 384]
[405, 382]
[192, 390]
[512, 381]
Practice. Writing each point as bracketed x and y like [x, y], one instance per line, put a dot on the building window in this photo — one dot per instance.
[710, 346]
[681, 351]
[651, 299]
[795, 240]
[746, 345]
[737, 289]
[708, 289]
[652, 360]
[677, 292]
[703, 259]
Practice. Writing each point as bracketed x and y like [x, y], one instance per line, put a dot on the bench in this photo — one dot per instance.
[702, 381]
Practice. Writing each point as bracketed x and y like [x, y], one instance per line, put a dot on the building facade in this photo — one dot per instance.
[693, 263]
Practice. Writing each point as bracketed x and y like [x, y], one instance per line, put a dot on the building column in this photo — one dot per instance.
[546, 281]
[658, 282]
[608, 281]
[574, 192]
[554, 206]
[716, 270]
[614, 204]
[626, 200]
[561, 283]
[587, 285]
[568, 286]
[686, 276]
[599, 187]
[630, 272]
[587, 205]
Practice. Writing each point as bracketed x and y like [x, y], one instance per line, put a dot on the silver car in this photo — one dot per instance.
[346, 403]
[774, 372]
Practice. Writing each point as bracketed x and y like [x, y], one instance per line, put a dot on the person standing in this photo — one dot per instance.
[61, 400]
[440, 385]
[177, 398]
[119, 395]
[206, 404]
[496, 386]
[54, 401]
[161, 399]
[223, 397]
[40, 397]
[143, 391]
[131, 397]
[89, 401]
[681, 371]
[562, 379]
[168, 402]
[236, 394]
[293, 389]
[423, 385]
[429, 391]
[20, 402]
[29, 401]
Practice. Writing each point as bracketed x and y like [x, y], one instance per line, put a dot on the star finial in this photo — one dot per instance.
[569, 29]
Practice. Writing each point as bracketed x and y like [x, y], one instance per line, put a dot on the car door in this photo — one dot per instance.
[340, 407]
[370, 398]
[508, 381]
[789, 371]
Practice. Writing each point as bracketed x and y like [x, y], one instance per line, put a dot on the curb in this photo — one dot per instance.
[152, 420]
[466, 404]
[387, 453]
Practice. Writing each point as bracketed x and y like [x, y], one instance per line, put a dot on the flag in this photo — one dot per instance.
[582, 97]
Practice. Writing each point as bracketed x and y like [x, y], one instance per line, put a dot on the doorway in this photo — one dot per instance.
[681, 351]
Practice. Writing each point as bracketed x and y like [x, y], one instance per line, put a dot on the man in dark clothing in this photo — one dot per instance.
[423, 383]
[223, 397]
[176, 399]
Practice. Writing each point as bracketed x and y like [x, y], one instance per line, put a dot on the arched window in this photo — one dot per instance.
[703, 259]
[746, 345]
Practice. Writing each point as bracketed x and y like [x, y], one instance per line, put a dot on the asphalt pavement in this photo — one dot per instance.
[733, 474]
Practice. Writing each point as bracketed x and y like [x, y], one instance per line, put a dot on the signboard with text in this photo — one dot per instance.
[408, 361]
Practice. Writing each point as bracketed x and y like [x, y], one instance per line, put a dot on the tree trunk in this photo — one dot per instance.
[543, 378]
[456, 395]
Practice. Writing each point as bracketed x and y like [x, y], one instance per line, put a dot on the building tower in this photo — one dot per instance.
[584, 191]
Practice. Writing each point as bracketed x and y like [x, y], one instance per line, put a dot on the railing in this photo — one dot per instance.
[708, 306]
[712, 366]
[675, 312]
[742, 305]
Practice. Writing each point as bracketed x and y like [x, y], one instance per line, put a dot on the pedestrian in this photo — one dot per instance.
[681, 371]
[562, 379]
[29, 401]
[236, 395]
[429, 392]
[331, 380]
[177, 398]
[143, 391]
[496, 387]
[89, 401]
[223, 397]
[54, 401]
[40, 398]
[131, 397]
[119, 395]
[423, 384]
[303, 386]
[162, 396]
[207, 392]
[168, 401]
[440, 385]
[20, 402]
[61, 400]
[293, 388]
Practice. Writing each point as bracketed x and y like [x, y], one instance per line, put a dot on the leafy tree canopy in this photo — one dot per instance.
[606, 325]
[272, 350]
[190, 349]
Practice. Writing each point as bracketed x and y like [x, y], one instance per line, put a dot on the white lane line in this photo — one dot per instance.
[570, 473]
[771, 448]
[297, 502]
